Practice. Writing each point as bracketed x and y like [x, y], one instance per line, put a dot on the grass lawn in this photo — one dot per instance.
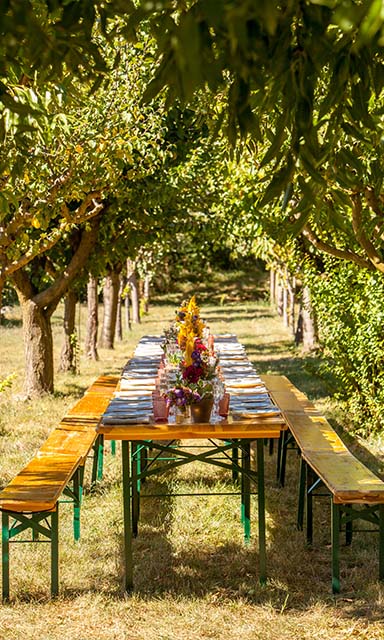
[194, 577]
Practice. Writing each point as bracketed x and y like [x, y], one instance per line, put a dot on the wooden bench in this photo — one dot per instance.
[31, 500]
[356, 492]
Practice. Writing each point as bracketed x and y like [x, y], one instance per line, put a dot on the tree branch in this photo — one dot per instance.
[361, 237]
[50, 297]
[342, 254]
[82, 215]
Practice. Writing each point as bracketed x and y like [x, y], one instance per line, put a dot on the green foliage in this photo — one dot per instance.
[350, 312]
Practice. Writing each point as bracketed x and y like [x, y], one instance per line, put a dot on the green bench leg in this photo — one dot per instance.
[78, 481]
[55, 552]
[5, 554]
[113, 447]
[32, 522]
[301, 501]
[335, 543]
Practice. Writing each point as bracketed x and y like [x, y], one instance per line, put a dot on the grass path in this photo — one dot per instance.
[194, 577]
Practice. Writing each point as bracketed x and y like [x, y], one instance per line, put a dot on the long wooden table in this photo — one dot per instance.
[168, 439]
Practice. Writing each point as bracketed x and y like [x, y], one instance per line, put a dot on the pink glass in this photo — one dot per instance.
[160, 407]
[224, 405]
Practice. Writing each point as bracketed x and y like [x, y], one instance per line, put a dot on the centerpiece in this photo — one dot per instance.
[196, 372]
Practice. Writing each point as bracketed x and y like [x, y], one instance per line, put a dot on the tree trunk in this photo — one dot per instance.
[279, 296]
[146, 292]
[292, 302]
[310, 336]
[127, 313]
[110, 296]
[90, 345]
[38, 348]
[135, 296]
[272, 287]
[119, 326]
[37, 308]
[68, 357]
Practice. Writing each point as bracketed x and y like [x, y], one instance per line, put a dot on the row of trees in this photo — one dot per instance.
[111, 145]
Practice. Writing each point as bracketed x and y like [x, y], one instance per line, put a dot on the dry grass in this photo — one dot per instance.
[194, 577]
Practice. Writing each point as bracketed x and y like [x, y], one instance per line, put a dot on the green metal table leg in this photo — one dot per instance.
[301, 501]
[113, 447]
[348, 531]
[128, 559]
[245, 491]
[235, 460]
[135, 466]
[335, 526]
[381, 541]
[5, 554]
[55, 552]
[98, 459]
[261, 508]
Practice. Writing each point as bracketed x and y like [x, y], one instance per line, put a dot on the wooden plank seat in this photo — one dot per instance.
[356, 492]
[31, 500]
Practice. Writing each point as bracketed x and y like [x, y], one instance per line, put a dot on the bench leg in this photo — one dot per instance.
[309, 503]
[5, 554]
[283, 458]
[55, 552]
[301, 500]
[335, 544]
[78, 480]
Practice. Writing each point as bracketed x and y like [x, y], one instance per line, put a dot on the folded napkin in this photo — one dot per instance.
[126, 420]
[265, 413]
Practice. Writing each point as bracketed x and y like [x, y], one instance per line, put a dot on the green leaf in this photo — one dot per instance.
[278, 183]
[277, 141]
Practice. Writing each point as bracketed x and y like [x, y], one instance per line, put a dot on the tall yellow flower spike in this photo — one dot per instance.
[190, 328]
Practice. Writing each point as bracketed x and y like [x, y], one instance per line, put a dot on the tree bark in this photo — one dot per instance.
[310, 333]
[38, 348]
[279, 296]
[110, 297]
[90, 345]
[135, 296]
[127, 313]
[119, 326]
[292, 302]
[272, 286]
[68, 357]
[146, 292]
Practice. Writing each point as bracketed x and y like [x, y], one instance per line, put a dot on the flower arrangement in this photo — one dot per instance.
[197, 368]
[190, 326]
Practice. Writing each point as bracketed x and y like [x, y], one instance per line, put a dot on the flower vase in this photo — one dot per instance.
[181, 414]
[201, 411]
